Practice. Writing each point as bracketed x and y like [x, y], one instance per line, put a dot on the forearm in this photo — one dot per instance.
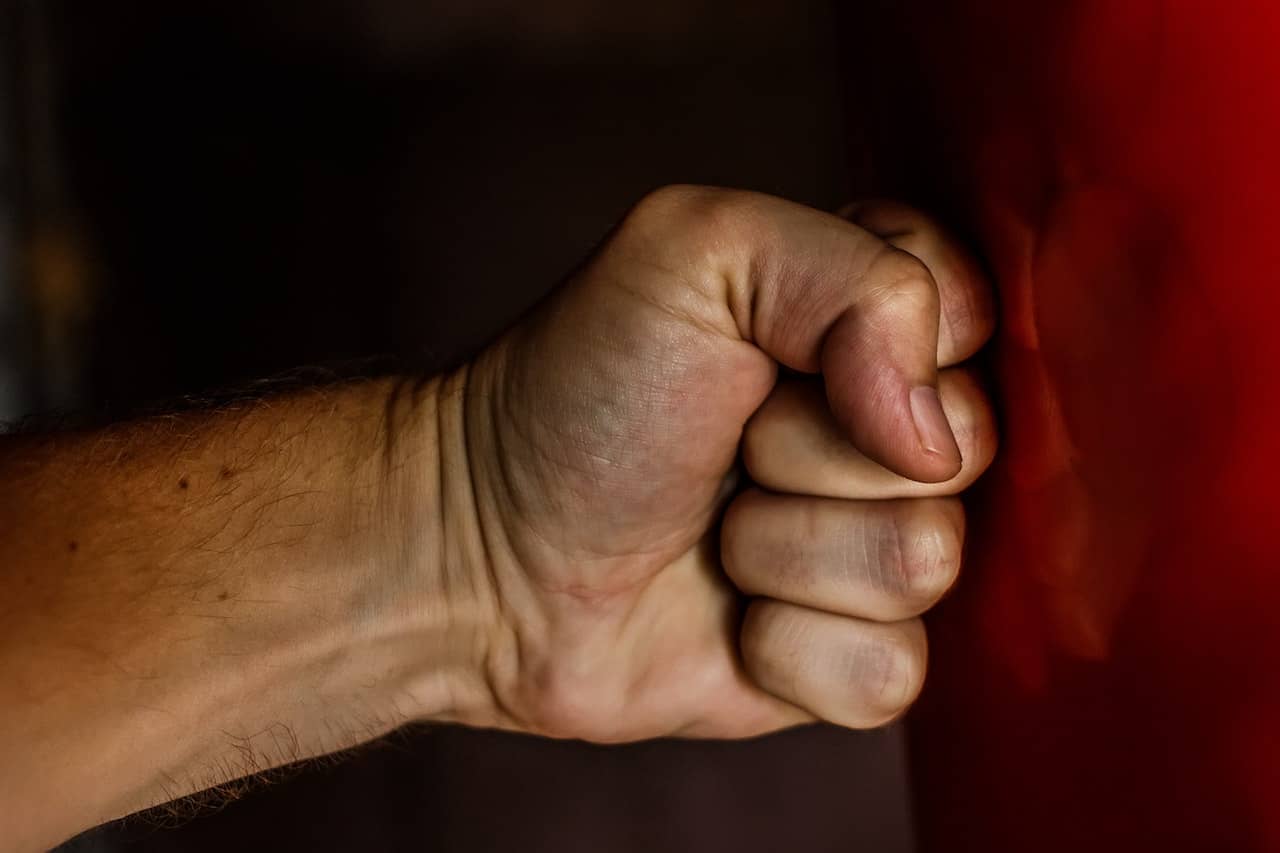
[188, 600]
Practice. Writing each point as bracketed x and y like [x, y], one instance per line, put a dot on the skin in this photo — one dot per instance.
[558, 538]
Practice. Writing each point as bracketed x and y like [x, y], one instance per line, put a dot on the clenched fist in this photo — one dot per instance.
[638, 465]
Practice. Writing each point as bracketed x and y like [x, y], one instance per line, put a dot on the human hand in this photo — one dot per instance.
[600, 437]
[533, 542]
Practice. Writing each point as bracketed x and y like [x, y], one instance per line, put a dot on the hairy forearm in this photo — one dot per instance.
[195, 598]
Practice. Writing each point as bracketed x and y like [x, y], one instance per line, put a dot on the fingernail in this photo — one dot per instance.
[932, 428]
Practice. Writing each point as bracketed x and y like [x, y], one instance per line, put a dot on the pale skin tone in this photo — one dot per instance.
[555, 539]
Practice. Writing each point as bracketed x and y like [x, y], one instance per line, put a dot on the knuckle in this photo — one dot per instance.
[666, 202]
[973, 421]
[706, 233]
[891, 670]
[928, 546]
[896, 276]
[697, 215]
[968, 320]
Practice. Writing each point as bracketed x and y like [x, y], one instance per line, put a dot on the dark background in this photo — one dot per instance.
[199, 194]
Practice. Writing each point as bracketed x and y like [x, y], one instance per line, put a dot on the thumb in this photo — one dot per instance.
[879, 365]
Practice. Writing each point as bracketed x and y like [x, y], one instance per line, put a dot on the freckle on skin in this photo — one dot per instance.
[222, 596]
[182, 483]
[225, 473]
[73, 545]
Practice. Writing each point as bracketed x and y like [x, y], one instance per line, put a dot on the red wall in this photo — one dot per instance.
[1106, 673]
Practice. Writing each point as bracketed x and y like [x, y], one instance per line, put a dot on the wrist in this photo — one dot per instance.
[442, 599]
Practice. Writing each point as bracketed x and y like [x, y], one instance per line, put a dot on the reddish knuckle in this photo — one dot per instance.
[929, 558]
[888, 674]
